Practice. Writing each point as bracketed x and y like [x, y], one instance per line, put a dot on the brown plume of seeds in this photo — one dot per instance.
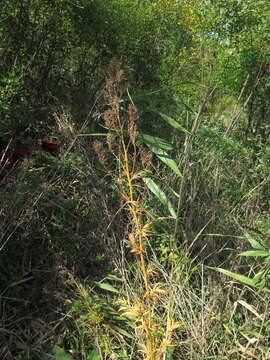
[111, 119]
[132, 119]
[101, 152]
[114, 79]
[146, 158]
[111, 142]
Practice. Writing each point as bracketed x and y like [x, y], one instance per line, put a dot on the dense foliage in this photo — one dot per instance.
[134, 179]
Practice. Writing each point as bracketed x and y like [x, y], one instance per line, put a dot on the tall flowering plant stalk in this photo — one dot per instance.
[147, 307]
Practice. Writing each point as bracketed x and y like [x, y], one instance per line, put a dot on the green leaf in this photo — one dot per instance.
[122, 331]
[96, 134]
[172, 191]
[254, 243]
[160, 195]
[154, 141]
[169, 352]
[175, 124]
[164, 157]
[238, 277]
[258, 277]
[94, 355]
[260, 253]
[113, 277]
[60, 354]
[106, 286]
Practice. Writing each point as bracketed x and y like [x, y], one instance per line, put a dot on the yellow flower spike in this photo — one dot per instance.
[173, 325]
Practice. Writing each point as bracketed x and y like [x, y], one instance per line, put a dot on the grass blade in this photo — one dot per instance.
[160, 195]
[261, 253]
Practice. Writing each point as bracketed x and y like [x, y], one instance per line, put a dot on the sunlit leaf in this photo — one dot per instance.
[254, 243]
[94, 134]
[238, 277]
[260, 253]
[106, 286]
[160, 195]
[113, 277]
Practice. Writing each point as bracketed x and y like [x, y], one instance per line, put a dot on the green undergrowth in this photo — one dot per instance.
[146, 236]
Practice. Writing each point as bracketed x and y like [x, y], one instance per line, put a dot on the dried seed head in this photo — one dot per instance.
[115, 77]
[111, 119]
[146, 158]
[132, 118]
[111, 141]
[153, 273]
[101, 152]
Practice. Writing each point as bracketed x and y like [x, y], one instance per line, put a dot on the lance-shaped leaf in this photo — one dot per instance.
[261, 253]
[241, 278]
[106, 286]
[154, 141]
[175, 124]
[254, 243]
[256, 282]
[166, 159]
[160, 195]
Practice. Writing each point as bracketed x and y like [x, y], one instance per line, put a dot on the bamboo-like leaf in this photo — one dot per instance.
[106, 286]
[238, 277]
[261, 253]
[176, 194]
[254, 243]
[113, 277]
[122, 331]
[166, 159]
[154, 141]
[175, 124]
[259, 276]
[160, 195]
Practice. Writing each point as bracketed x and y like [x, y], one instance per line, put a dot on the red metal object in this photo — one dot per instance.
[8, 161]
[21, 152]
[50, 146]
